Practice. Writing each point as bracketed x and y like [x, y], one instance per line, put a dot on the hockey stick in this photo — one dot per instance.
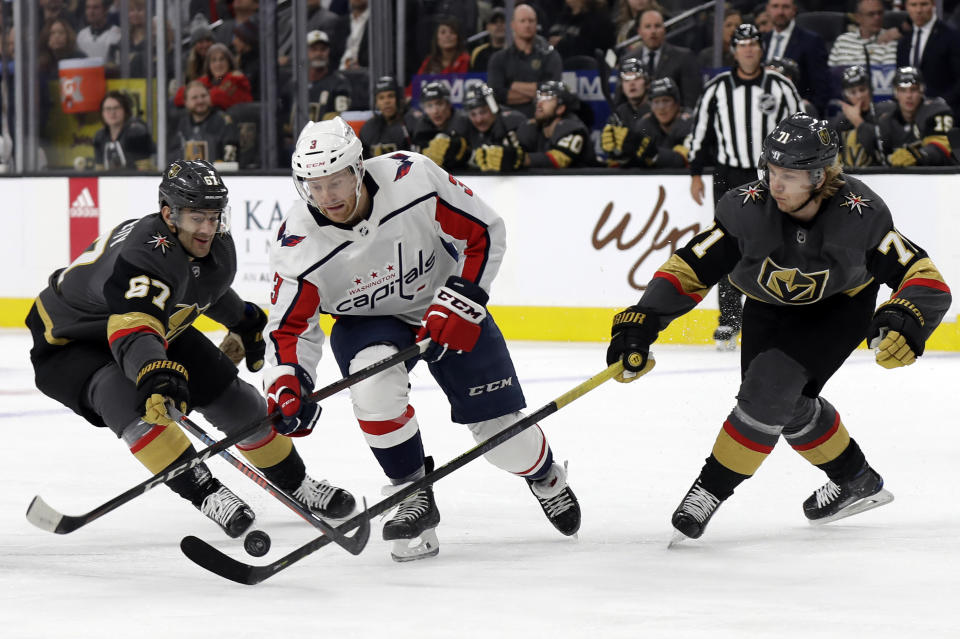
[44, 516]
[353, 545]
[208, 557]
[604, 70]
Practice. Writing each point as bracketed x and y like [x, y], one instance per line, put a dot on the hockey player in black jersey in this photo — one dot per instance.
[113, 341]
[809, 247]
[390, 127]
[659, 138]
[916, 132]
[620, 137]
[492, 134]
[857, 108]
[441, 132]
[556, 138]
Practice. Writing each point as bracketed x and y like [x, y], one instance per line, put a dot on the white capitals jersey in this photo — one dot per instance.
[424, 226]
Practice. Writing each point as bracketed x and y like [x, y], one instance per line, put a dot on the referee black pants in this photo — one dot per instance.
[724, 179]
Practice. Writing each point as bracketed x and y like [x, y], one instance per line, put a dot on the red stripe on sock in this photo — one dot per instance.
[386, 426]
[543, 453]
[738, 437]
[151, 435]
[820, 440]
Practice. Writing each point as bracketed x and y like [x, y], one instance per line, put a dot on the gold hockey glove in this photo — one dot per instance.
[905, 156]
[896, 333]
[493, 157]
[157, 381]
[437, 148]
[611, 139]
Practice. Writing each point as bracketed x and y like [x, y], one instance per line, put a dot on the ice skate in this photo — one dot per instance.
[556, 499]
[412, 529]
[693, 514]
[324, 499]
[833, 501]
[725, 337]
[227, 510]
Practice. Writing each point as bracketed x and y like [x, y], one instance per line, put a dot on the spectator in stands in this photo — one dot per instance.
[204, 132]
[53, 9]
[124, 141]
[447, 51]
[515, 72]
[243, 11]
[627, 16]
[731, 20]
[916, 132]
[762, 20]
[389, 128]
[664, 60]
[58, 41]
[556, 138]
[584, 25]
[201, 37]
[246, 45]
[620, 135]
[492, 136]
[441, 133]
[329, 91]
[352, 31]
[857, 107]
[933, 47]
[868, 39]
[787, 40]
[497, 38]
[227, 85]
[137, 19]
[96, 38]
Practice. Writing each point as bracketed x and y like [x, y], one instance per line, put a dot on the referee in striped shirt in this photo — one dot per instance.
[735, 113]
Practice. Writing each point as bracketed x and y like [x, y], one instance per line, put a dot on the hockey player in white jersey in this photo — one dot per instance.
[398, 250]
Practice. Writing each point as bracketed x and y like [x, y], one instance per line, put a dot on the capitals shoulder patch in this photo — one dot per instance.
[288, 240]
[404, 164]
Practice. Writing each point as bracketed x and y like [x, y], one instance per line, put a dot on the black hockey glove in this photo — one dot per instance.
[634, 330]
[158, 381]
[896, 333]
[249, 332]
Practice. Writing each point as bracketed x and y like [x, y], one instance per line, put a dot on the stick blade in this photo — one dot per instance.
[206, 556]
[46, 517]
[362, 536]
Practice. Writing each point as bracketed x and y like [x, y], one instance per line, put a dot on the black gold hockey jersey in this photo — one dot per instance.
[929, 130]
[136, 289]
[503, 132]
[664, 148]
[776, 260]
[451, 156]
[569, 146]
[380, 137]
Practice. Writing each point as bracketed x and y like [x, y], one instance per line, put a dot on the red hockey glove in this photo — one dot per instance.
[297, 417]
[452, 322]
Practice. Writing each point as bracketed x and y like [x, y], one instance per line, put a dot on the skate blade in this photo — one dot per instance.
[677, 539]
[883, 496]
[726, 345]
[422, 547]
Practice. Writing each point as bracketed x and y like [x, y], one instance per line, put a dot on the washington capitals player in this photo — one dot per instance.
[398, 250]
[113, 341]
[809, 247]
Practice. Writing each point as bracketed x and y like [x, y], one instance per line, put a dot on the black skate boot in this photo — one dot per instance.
[324, 499]
[413, 527]
[694, 512]
[226, 509]
[831, 501]
[556, 499]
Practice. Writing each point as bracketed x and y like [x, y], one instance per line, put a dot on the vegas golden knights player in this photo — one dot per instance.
[809, 247]
[113, 341]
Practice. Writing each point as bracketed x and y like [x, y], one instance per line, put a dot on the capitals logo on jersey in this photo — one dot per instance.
[791, 285]
[288, 240]
[405, 164]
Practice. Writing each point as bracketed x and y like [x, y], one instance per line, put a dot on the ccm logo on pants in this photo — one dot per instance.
[492, 386]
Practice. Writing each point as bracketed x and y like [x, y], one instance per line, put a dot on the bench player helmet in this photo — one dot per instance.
[325, 148]
[434, 91]
[557, 89]
[478, 95]
[907, 76]
[664, 87]
[194, 184]
[744, 32]
[855, 76]
[800, 142]
[386, 83]
[631, 68]
[786, 67]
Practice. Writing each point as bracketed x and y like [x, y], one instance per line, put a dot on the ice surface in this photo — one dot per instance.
[759, 571]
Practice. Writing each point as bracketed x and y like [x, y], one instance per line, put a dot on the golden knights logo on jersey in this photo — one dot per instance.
[790, 285]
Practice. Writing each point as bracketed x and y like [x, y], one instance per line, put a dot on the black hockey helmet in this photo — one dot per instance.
[478, 95]
[192, 184]
[557, 89]
[434, 91]
[744, 32]
[386, 83]
[630, 68]
[855, 76]
[786, 67]
[799, 142]
[664, 87]
[907, 76]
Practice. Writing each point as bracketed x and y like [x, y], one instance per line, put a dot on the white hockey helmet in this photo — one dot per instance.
[325, 148]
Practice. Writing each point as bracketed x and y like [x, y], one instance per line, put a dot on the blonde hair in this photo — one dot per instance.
[832, 180]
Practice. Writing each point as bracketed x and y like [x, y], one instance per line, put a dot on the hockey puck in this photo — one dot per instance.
[257, 543]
